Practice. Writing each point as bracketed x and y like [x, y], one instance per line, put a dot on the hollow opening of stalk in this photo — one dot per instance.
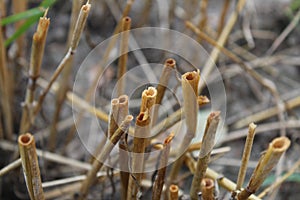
[208, 183]
[173, 188]
[141, 116]
[122, 99]
[25, 139]
[190, 76]
[278, 144]
[150, 92]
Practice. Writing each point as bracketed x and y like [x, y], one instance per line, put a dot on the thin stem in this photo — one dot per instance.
[279, 181]
[36, 57]
[160, 178]
[208, 142]
[267, 161]
[10, 167]
[113, 117]
[122, 65]
[203, 12]
[208, 67]
[141, 133]
[98, 162]
[31, 166]
[223, 17]
[246, 156]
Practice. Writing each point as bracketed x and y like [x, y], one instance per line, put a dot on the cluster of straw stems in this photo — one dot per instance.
[205, 180]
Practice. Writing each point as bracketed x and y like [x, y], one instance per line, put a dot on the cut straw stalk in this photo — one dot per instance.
[37, 52]
[5, 91]
[148, 99]
[208, 189]
[246, 156]
[190, 81]
[85, 9]
[208, 142]
[122, 65]
[142, 131]
[163, 162]
[173, 192]
[169, 66]
[267, 161]
[113, 117]
[64, 79]
[97, 164]
[30, 166]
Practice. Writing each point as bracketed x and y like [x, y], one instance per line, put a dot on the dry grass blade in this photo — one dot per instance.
[97, 164]
[223, 16]
[208, 142]
[30, 166]
[203, 11]
[122, 65]
[10, 167]
[163, 162]
[37, 53]
[246, 156]
[266, 163]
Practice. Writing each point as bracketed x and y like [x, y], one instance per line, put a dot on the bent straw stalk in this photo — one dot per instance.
[190, 81]
[97, 164]
[208, 142]
[208, 189]
[141, 132]
[246, 156]
[160, 178]
[36, 57]
[30, 166]
[113, 117]
[173, 192]
[122, 65]
[266, 163]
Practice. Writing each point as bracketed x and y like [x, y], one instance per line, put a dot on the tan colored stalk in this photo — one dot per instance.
[267, 83]
[223, 17]
[123, 153]
[207, 189]
[266, 163]
[122, 65]
[5, 91]
[18, 7]
[65, 77]
[142, 131]
[148, 99]
[208, 142]
[36, 57]
[113, 117]
[163, 162]
[221, 42]
[97, 164]
[279, 181]
[2, 9]
[10, 167]
[203, 12]
[246, 156]
[169, 66]
[85, 9]
[190, 81]
[106, 55]
[173, 192]
[30, 166]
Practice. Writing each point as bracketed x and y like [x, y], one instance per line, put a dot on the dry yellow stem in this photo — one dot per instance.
[30, 166]
[37, 53]
[173, 192]
[113, 117]
[97, 164]
[148, 99]
[141, 133]
[208, 142]
[266, 163]
[122, 65]
[207, 189]
[246, 156]
[160, 178]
